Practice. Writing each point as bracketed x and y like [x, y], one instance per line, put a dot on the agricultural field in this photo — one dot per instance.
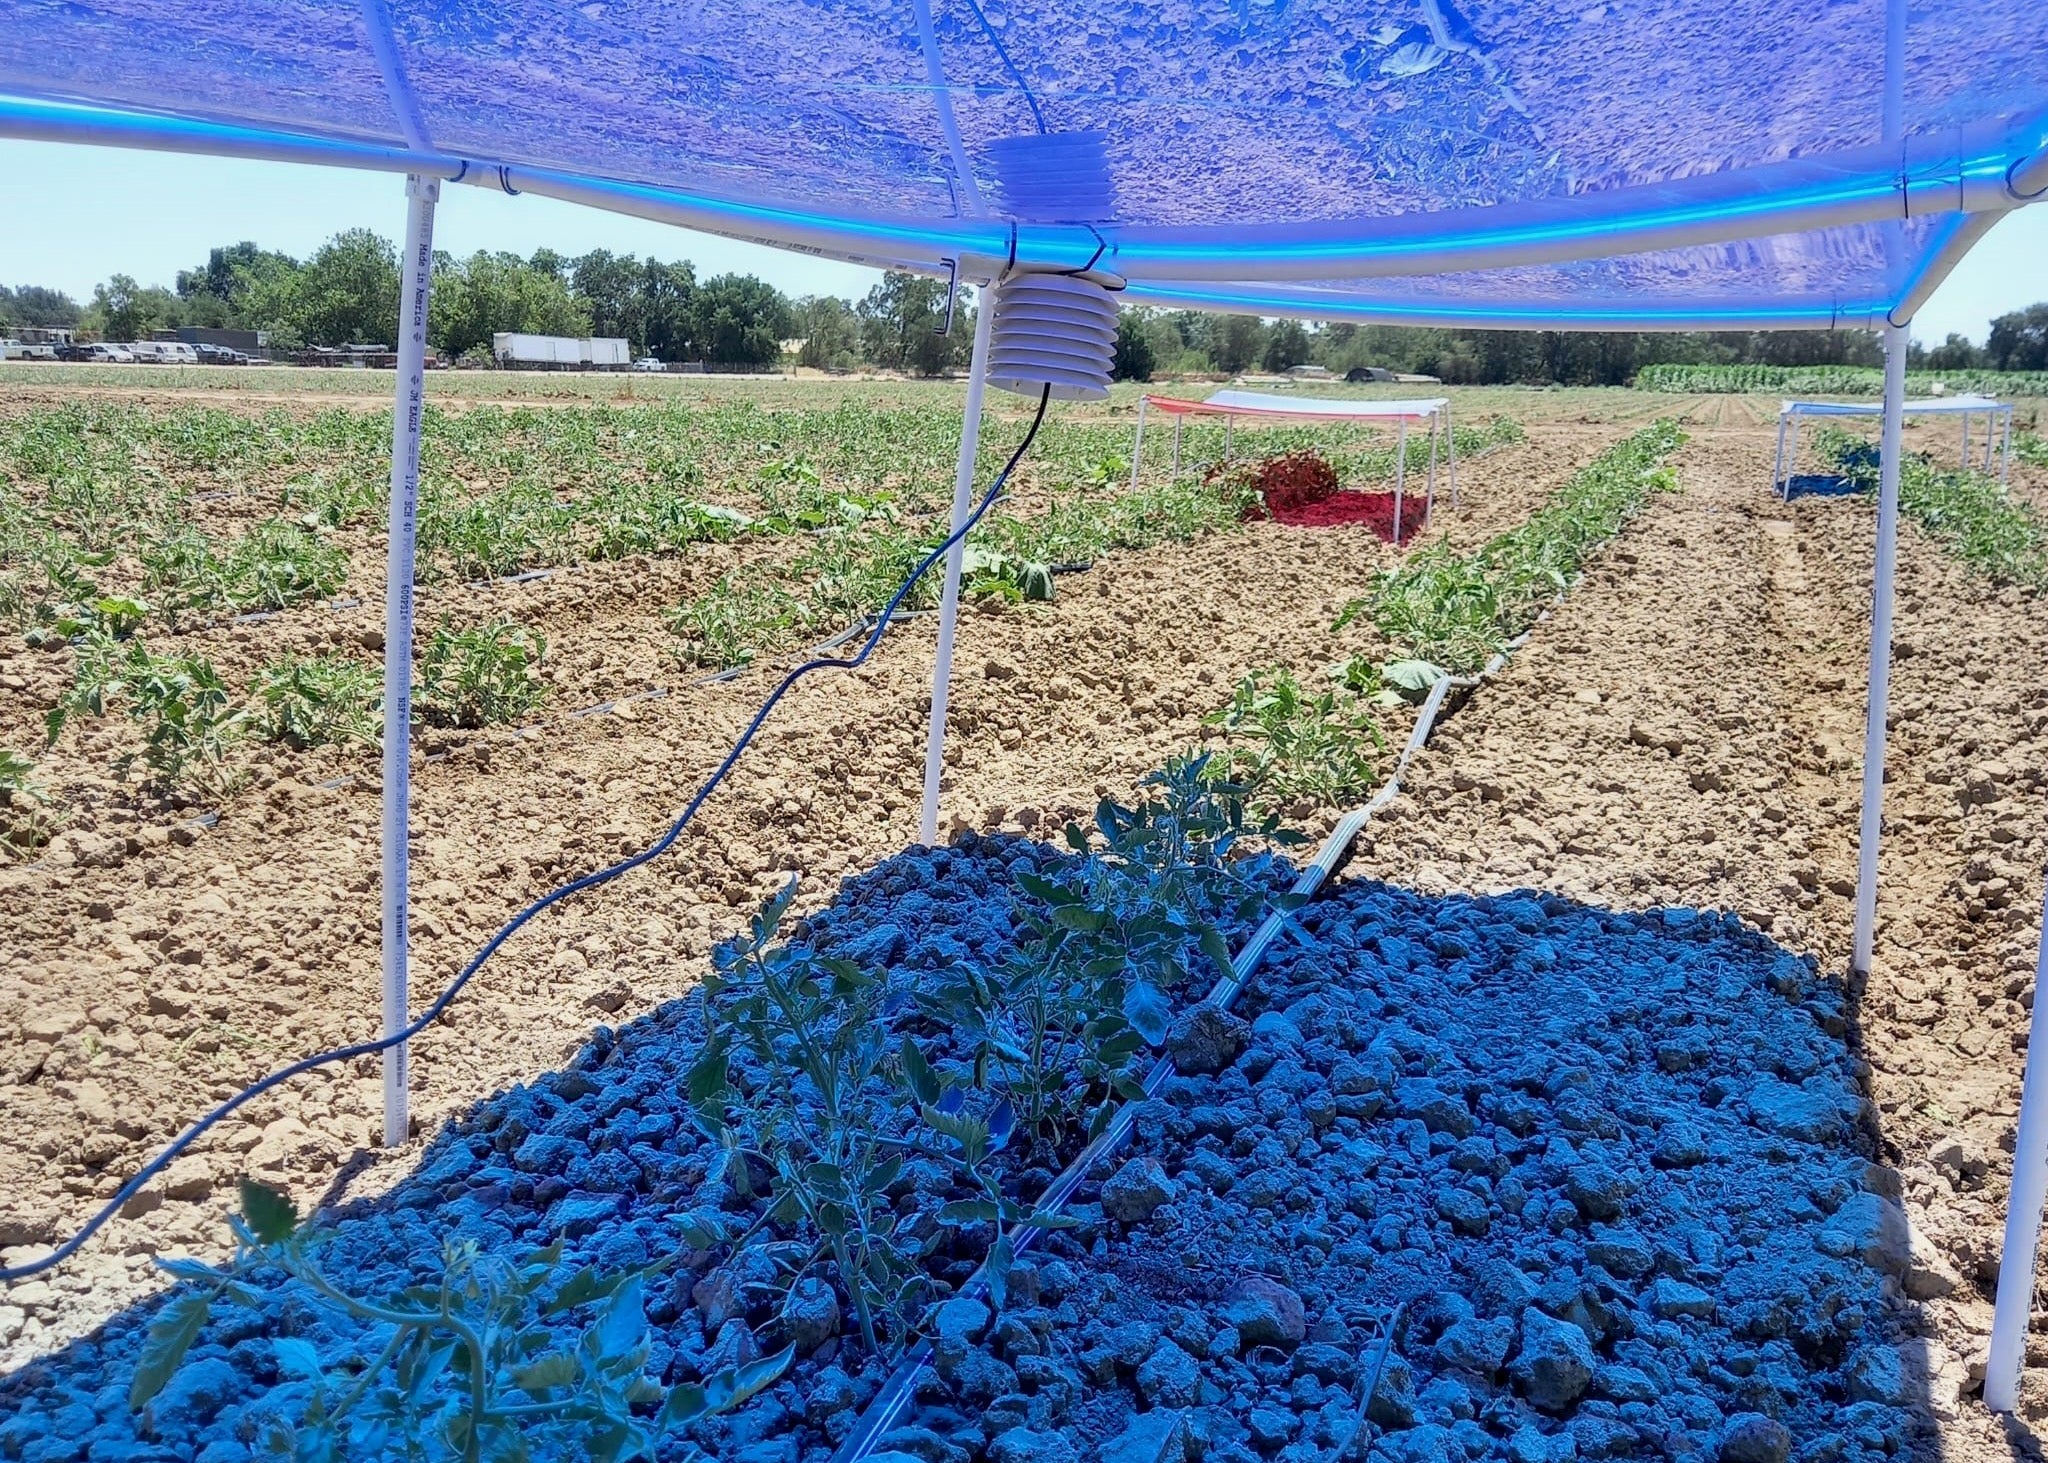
[1552, 1129]
[1835, 381]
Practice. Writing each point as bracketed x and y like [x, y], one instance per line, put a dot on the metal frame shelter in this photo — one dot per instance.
[1997, 429]
[1415, 162]
[1436, 411]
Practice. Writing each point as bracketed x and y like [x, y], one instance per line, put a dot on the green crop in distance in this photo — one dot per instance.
[1458, 611]
[322, 701]
[1971, 514]
[480, 676]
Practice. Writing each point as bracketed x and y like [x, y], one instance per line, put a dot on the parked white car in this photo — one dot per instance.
[648, 363]
[107, 353]
[164, 353]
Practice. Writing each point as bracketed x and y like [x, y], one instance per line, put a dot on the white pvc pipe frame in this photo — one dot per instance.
[421, 194]
[949, 602]
[1869, 827]
[1400, 457]
[1998, 430]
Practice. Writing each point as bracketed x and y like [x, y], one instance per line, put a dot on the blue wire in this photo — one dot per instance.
[1004, 52]
[512, 926]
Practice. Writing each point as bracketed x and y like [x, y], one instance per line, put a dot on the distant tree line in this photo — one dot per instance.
[346, 292]
[1188, 342]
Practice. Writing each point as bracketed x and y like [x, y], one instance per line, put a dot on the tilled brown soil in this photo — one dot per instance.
[152, 967]
[1687, 730]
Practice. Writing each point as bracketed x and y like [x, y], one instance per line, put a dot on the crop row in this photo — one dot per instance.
[1971, 514]
[104, 500]
[188, 727]
[1321, 742]
[1832, 380]
[1457, 611]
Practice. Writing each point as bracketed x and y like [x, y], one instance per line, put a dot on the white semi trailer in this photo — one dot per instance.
[518, 351]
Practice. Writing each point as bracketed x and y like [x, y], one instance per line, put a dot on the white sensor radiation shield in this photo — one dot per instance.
[1052, 330]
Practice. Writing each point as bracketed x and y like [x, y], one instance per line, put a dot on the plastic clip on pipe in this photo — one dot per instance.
[518, 921]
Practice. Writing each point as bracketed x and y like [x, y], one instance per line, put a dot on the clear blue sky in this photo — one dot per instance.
[82, 214]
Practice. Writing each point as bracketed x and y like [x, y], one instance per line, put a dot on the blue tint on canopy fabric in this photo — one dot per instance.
[1211, 115]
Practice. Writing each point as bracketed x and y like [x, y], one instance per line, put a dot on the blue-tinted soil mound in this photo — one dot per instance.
[1607, 1163]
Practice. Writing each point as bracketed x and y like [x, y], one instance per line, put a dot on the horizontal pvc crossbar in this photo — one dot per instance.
[1453, 314]
[1975, 175]
[1297, 408]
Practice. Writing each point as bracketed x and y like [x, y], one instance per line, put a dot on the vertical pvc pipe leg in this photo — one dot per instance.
[1429, 492]
[1966, 441]
[2005, 469]
[1880, 648]
[1226, 437]
[2015, 1305]
[1176, 446]
[1137, 448]
[1400, 472]
[949, 603]
[1451, 453]
[1780, 484]
[421, 194]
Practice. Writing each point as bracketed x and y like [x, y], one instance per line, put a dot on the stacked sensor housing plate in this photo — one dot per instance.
[1056, 330]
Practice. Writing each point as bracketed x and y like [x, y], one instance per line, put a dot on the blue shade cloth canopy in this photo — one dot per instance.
[1519, 161]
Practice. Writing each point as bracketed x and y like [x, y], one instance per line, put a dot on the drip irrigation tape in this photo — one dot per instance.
[859, 627]
[518, 921]
[897, 1392]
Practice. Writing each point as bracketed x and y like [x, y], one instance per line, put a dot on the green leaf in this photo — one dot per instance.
[297, 1358]
[707, 1079]
[171, 1335]
[918, 1075]
[703, 1229]
[556, 1369]
[271, 1216]
[996, 1273]
[196, 1270]
[686, 1403]
[623, 1322]
[968, 1211]
[730, 1389]
[1146, 1009]
[1040, 887]
[1413, 676]
[1079, 917]
[1218, 950]
[584, 1287]
[969, 1132]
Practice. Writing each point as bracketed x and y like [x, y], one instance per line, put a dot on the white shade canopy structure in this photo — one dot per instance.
[1997, 429]
[1300, 408]
[1258, 404]
[1539, 164]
